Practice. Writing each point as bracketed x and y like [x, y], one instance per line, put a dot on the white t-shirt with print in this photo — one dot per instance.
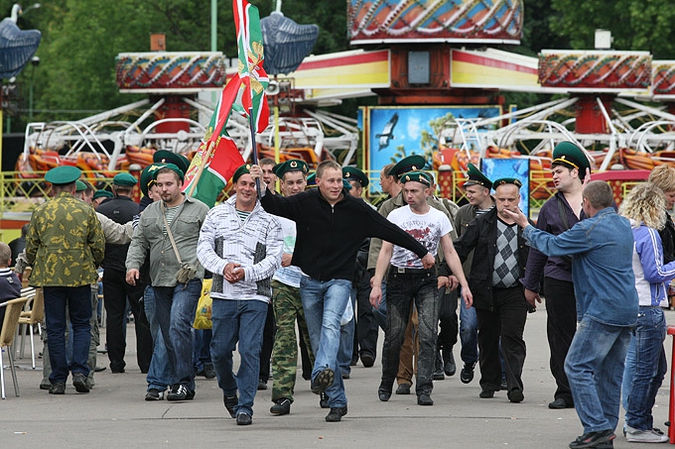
[425, 228]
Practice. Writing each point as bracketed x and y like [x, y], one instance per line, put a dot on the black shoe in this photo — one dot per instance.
[180, 393]
[593, 439]
[515, 395]
[354, 361]
[230, 404]
[383, 393]
[439, 374]
[336, 414]
[323, 400]
[323, 380]
[262, 385]
[80, 383]
[244, 419]
[466, 375]
[154, 394]
[117, 368]
[424, 399]
[559, 404]
[281, 407]
[368, 360]
[58, 388]
[487, 394]
[45, 385]
[98, 369]
[403, 389]
[449, 365]
[504, 385]
[209, 371]
[345, 376]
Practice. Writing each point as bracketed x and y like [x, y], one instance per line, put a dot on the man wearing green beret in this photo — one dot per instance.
[241, 245]
[100, 196]
[409, 283]
[500, 254]
[168, 231]
[116, 291]
[560, 212]
[65, 245]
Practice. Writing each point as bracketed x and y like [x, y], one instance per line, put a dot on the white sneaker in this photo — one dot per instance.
[645, 436]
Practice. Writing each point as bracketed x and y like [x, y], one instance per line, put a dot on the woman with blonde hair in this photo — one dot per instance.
[645, 207]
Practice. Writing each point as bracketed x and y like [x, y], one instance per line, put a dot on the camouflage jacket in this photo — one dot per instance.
[65, 243]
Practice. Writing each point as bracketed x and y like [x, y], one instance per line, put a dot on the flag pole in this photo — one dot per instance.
[254, 147]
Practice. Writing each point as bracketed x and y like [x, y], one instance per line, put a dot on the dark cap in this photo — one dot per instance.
[169, 157]
[148, 176]
[62, 175]
[103, 194]
[418, 176]
[410, 163]
[571, 156]
[172, 167]
[311, 180]
[354, 174]
[503, 181]
[289, 166]
[124, 180]
[246, 168]
[477, 178]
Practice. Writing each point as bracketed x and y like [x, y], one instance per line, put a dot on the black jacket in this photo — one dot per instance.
[121, 210]
[481, 235]
[328, 237]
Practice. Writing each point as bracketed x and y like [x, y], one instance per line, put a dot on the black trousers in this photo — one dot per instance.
[365, 338]
[505, 320]
[116, 292]
[561, 324]
[447, 315]
[268, 344]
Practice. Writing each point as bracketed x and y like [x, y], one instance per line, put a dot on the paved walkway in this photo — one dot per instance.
[114, 414]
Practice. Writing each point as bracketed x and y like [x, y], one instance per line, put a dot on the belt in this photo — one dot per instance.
[412, 272]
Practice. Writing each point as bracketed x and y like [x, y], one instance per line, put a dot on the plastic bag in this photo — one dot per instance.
[203, 314]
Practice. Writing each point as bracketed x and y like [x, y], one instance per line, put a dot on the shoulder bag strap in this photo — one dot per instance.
[168, 231]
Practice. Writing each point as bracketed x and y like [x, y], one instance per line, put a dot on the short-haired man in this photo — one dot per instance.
[241, 245]
[410, 283]
[557, 215]
[168, 227]
[499, 260]
[10, 285]
[117, 293]
[331, 226]
[601, 248]
[19, 244]
[65, 245]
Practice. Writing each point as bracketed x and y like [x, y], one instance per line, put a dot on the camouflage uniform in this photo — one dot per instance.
[287, 306]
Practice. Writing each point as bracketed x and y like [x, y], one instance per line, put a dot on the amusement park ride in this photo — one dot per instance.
[408, 53]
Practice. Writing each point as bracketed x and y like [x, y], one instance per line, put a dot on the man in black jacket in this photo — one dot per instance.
[499, 261]
[331, 226]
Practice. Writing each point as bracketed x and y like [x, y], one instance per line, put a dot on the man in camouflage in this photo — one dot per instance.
[65, 245]
[286, 299]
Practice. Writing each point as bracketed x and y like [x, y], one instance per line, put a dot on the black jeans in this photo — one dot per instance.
[366, 326]
[506, 320]
[116, 292]
[447, 315]
[561, 324]
[268, 344]
[402, 291]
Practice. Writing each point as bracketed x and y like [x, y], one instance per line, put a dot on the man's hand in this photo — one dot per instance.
[532, 298]
[453, 282]
[428, 261]
[132, 276]
[443, 282]
[517, 216]
[376, 296]
[286, 260]
[468, 297]
[232, 273]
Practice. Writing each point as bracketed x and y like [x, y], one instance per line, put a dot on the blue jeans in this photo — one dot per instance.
[78, 302]
[645, 369]
[159, 374]
[175, 309]
[347, 340]
[201, 352]
[468, 334]
[594, 368]
[324, 303]
[242, 322]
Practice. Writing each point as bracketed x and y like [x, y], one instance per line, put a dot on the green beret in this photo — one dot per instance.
[502, 181]
[148, 176]
[311, 180]
[290, 165]
[346, 185]
[354, 174]
[418, 176]
[571, 156]
[169, 157]
[172, 167]
[476, 177]
[62, 175]
[125, 180]
[410, 163]
[103, 194]
[80, 186]
[246, 168]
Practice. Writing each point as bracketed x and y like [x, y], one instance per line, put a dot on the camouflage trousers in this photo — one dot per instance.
[287, 309]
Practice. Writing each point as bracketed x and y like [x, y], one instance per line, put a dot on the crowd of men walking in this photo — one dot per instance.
[322, 260]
